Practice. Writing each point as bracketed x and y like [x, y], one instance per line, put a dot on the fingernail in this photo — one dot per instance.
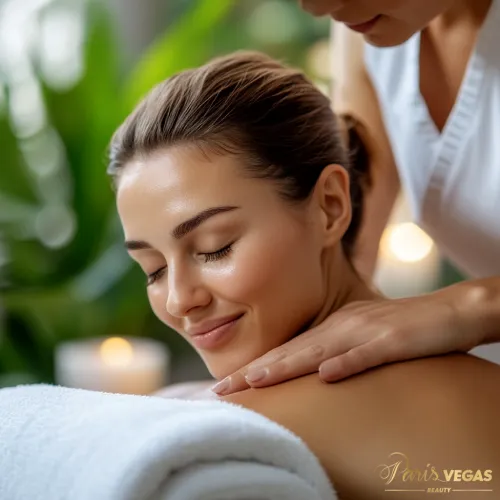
[221, 387]
[328, 371]
[256, 374]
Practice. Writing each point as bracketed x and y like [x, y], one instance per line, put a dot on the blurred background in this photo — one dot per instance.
[70, 71]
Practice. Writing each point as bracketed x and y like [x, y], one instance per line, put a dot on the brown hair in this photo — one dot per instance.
[249, 105]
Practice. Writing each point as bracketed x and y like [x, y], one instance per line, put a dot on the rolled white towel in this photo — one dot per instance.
[71, 444]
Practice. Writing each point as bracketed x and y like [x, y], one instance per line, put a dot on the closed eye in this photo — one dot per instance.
[219, 254]
[156, 275]
[209, 257]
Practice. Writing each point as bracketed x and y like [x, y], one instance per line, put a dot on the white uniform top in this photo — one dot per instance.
[451, 179]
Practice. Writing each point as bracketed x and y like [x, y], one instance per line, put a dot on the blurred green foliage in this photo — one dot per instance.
[88, 287]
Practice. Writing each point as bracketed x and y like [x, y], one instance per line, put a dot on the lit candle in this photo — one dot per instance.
[127, 366]
[409, 261]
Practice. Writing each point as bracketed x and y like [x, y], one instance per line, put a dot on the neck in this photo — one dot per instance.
[343, 286]
[460, 12]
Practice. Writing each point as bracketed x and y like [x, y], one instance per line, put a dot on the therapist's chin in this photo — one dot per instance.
[392, 36]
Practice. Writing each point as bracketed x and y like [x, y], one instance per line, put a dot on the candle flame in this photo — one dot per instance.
[406, 242]
[116, 351]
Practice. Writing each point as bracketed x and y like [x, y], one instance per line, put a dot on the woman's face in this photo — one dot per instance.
[384, 23]
[220, 247]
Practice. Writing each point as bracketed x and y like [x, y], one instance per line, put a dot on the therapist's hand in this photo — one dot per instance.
[363, 335]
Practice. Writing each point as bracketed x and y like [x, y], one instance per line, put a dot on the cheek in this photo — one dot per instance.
[279, 277]
[157, 299]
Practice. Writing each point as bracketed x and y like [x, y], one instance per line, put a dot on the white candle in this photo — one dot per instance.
[408, 262]
[115, 364]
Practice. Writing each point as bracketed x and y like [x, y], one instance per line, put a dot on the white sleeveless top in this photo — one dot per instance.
[451, 179]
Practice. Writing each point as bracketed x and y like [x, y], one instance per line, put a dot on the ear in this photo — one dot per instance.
[333, 200]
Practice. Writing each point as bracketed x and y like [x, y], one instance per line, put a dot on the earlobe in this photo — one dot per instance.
[332, 191]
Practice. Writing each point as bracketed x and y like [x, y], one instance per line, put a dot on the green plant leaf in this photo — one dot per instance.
[15, 179]
[85, 118]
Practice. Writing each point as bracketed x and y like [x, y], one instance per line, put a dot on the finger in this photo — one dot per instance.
[301, 363]
[296, 365]
[273, 356]
[233, 383]
[355, 361]
[237, 382]
[291, 348]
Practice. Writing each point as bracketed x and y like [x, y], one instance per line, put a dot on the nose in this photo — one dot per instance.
[322, 7]
[185, 293]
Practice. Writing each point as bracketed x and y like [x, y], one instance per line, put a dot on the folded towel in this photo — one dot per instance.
[71, 444]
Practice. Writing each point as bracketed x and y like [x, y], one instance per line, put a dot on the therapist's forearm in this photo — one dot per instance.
[480, 300]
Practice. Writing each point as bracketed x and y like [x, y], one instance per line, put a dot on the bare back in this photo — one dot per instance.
[441, 412]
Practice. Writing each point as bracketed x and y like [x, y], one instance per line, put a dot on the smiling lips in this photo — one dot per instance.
[365, 26]
[212, 333]
[207, 326]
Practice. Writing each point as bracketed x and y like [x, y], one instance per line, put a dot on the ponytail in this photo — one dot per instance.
[360, 179]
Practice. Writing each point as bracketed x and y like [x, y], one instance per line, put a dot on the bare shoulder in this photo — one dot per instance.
[443, 411]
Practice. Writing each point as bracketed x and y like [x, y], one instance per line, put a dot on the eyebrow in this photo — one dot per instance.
[185, 227]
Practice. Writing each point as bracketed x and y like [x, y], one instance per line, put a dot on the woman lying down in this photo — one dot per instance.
[238, 201]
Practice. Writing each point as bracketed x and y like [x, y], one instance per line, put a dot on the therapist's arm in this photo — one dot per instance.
[354, 94]
[478, 302]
